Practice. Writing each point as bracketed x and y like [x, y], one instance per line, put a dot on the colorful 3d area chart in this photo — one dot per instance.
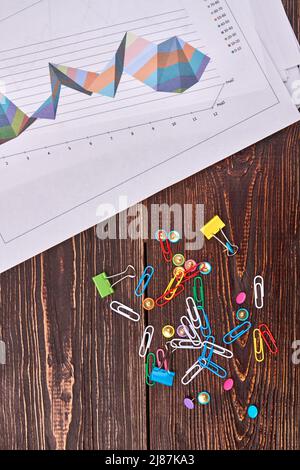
[172, 66]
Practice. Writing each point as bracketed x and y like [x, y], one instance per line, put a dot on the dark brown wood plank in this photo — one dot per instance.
[72, 379]
[256, 192]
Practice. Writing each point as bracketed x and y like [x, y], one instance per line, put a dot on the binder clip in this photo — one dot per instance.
[162, 376]
[214, 226]
[103, 284]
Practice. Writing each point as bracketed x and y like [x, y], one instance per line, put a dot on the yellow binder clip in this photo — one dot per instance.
[214, 226]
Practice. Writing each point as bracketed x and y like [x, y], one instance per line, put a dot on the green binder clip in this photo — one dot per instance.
[104, 287]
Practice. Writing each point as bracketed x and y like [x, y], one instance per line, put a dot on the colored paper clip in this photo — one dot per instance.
[258, 345]
[207, 352]
[185, 343]
[144, 281]
[220, 350]
[213, 367]
[216, 225]
[190, 330]
[125, 311]
[198, 291]
[268, 338]
[146, 340]
[205, 325]
[162, 376]
[236, 332]
[171, 291]
[166, 249]
[161, 301]
[191, 273]
[195, 369]
[162, 361]
[103, 284]
[147, 374]
[193, 312]
[258, 287]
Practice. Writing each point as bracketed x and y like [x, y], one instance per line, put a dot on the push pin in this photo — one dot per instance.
[189, 403]
[103, 284]
[214, 226]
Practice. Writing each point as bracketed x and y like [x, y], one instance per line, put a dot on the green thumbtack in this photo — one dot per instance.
[103, 285]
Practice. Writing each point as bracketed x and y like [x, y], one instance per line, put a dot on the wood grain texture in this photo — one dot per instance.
[73, 378]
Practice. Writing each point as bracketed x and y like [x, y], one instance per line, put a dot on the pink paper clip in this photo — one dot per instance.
[162, 361]
[268, 338]
[165, 246]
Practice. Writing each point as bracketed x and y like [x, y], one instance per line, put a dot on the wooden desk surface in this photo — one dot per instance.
[73, 378]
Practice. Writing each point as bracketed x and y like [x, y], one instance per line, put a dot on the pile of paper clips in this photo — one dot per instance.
[194, 331]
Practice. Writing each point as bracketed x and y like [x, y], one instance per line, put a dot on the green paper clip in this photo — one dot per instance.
[198, 291]
[103, 285]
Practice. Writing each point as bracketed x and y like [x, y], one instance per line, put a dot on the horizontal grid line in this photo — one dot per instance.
[92, 39]
[74, 52]
[97, 96]
[116, 109]
[112, 101]
[92, 30]
[110, 132]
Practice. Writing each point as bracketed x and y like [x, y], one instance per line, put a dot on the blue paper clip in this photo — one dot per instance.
[144, 281]
[236, 332]
[162, 376]
[205, 325]
[213, 367]
[207, 351]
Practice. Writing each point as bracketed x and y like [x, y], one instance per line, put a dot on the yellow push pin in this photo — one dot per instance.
[168, 331]
[213, 226]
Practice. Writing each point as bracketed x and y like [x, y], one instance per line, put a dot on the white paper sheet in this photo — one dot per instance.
[54, 176]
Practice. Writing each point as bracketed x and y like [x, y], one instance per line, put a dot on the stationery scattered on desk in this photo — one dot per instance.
[193, 330]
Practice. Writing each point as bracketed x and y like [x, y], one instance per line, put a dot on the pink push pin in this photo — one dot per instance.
[240, 298]
[228, 384]
[189, 403]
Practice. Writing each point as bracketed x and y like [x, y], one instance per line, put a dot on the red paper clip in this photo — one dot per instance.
[165, 246]
[165, 297]
[268, 338]
[191, 273]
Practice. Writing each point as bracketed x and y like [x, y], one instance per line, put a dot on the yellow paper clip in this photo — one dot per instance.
[258, 345]
[171, 291]
[214, 226]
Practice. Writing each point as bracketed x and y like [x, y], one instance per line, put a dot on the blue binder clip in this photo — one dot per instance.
[162, 376]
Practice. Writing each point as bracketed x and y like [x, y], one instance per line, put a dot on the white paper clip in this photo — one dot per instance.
[217, 349]
[193, 312]
[190, 330]
[185, 343]
[146, 340]
[125, 311]
[258, 291]
[196, 368]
